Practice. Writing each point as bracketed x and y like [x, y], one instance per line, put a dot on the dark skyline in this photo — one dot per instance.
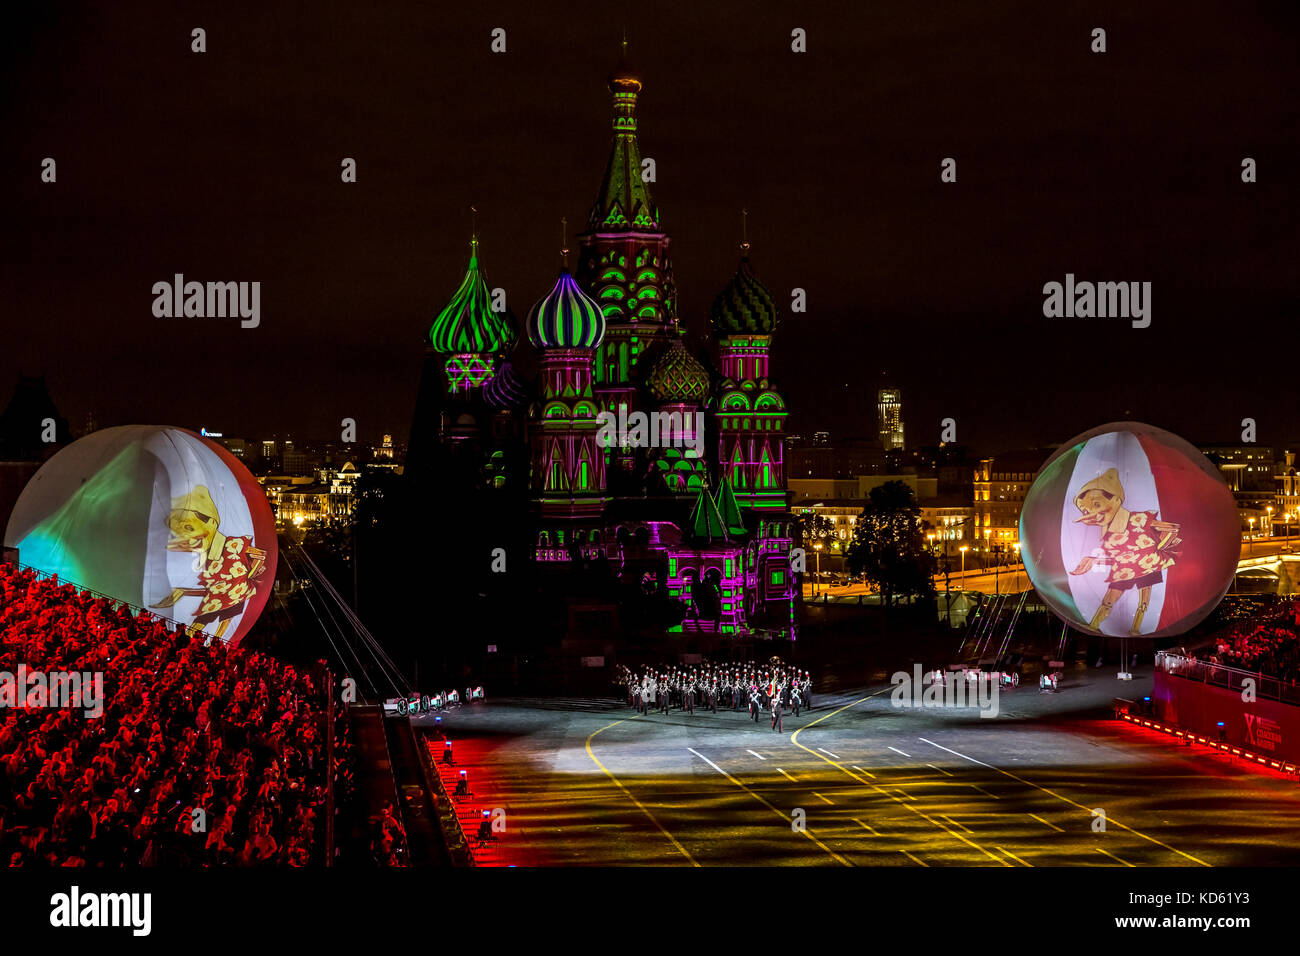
[224, 166]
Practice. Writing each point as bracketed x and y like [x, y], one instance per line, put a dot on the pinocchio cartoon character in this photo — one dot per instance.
[1136, 546]
[229, 566]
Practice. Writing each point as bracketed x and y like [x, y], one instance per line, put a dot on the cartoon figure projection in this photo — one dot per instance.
[1136, 546]
[228, 567]
[1099, 539]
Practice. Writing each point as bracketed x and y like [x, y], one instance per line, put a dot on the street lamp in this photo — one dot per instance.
[817, 549]
[1286, 524]
[1270, 521]
[1250, 553]
[963, 549]
[1019, 564]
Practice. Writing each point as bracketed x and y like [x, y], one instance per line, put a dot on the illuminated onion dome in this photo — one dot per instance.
[744, 306]
[506, 390]
[567, 318]
[467, 323]
[678, 377]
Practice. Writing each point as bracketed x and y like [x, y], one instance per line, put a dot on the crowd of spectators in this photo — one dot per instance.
[203, 755]
[1267, 643]
[388, 838]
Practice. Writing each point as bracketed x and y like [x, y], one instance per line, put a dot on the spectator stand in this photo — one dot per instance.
[204, 754]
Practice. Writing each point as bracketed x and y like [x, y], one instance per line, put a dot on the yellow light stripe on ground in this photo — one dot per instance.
[864, 826]
[951, 832]
[794, 739]
[960, 826]
[1114, 857]
[914, 859]
[628, 793]
[779, 770]
[1048, 823]
[1014, 857]
[759, 797]
[820, 797]
[1087, 810]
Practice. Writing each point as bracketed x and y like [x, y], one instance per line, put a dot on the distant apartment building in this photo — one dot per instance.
[1250, 472]
[1286, 508]
[330, 498]
[948, 522]
[945, 520]
[276, 486]
[238, 447]
[858, 489]
[999, 488]
[844, 458]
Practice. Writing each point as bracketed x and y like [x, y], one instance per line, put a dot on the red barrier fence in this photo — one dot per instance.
[1198, 697]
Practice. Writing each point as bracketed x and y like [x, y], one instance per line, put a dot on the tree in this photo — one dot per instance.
[888, 546]
[814, 528]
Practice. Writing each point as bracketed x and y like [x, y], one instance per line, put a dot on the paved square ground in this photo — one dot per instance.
[859, 782]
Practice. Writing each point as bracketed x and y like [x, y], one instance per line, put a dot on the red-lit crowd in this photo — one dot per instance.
[204, 755]
[1268, 643]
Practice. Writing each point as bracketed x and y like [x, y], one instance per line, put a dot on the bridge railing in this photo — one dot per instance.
[1231, 678]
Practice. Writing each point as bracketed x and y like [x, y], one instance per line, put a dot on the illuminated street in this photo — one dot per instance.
[1011, 578]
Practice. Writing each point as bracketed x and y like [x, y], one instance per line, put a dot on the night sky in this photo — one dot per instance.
[225, 166]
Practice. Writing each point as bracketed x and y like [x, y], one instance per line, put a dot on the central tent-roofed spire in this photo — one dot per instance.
[624, 201]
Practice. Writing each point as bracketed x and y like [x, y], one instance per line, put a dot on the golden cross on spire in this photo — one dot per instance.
[473, 229]
[744, 230]
[564, 241]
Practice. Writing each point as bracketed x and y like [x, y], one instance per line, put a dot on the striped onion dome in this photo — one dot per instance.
[567, 318]
[678, 377]
[467, 323]
[506, 390]
[744, 306]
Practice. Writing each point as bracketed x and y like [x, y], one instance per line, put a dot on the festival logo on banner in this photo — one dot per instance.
[1262, 733]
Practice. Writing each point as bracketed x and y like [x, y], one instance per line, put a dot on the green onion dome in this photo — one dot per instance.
[566, 318]
[467, 323]
[678, 377]
[744, 306]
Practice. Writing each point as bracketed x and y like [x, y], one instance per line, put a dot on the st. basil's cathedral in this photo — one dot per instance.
[709, 530]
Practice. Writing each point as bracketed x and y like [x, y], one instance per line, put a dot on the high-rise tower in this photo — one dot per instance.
[889, 407]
